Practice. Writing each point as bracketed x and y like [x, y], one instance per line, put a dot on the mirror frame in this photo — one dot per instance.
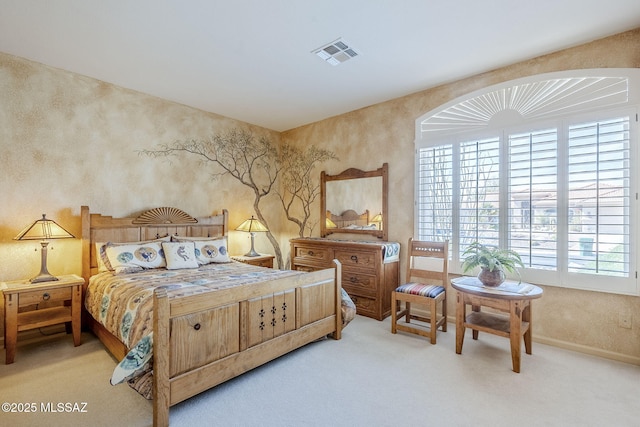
[353, 173]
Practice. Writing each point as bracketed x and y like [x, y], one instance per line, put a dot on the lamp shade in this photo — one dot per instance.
[378, 220]
[252, 225]
[330, 224]
[44, 229]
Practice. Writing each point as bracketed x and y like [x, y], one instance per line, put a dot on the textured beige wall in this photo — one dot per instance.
[68, 140]
[385, 132]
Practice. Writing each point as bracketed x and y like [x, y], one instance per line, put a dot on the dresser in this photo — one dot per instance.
[369, 269]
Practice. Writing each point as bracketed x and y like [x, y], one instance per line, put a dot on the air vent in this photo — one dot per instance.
[336, 52]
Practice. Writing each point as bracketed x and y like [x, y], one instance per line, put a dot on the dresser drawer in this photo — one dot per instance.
[365, 306]
[365, 277]
[360, 282]
[358, 259]
[306, 268]
[311, 255]
[40, 296]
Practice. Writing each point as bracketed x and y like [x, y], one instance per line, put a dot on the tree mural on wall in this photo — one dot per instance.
[299, 188]
[257, 164]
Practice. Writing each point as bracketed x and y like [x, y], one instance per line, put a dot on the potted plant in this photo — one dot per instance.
[493, 263]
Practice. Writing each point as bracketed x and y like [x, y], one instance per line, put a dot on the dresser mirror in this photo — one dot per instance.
[355, 202]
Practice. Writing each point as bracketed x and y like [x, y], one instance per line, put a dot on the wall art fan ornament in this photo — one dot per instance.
[165, 215]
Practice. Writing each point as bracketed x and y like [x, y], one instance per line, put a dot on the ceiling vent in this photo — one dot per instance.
[336, 52]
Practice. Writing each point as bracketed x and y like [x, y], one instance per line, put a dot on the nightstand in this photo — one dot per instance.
[260, 261]
[22, 310]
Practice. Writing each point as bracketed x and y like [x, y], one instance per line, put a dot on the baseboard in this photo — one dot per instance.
[605, 354]
[36, 334]
[588, 350]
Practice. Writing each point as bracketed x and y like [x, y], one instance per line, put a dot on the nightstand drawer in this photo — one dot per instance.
[259, 261]
[264, 263]
[49, 295]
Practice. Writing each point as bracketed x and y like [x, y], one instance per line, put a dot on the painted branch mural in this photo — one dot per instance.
[256, 163]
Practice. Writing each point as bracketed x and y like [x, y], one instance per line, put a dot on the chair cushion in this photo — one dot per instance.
[429, 291]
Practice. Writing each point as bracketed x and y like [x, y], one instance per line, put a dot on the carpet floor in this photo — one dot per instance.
[369, 378]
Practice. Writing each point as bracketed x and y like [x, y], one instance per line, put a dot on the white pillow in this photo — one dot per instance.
[208, 250]
[135, 258]
[180, 255]
[101, 251]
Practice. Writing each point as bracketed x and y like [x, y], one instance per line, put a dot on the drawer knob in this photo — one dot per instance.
[354, 258]
[353, 279]
[310, 253]
[196, 326]
[46, 296]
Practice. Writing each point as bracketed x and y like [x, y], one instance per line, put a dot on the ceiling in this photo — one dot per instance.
[252, 60]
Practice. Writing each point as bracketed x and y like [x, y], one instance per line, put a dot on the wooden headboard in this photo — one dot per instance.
[151, 224]
[349, 217]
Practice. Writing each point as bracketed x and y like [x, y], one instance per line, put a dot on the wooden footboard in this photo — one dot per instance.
[204, 340]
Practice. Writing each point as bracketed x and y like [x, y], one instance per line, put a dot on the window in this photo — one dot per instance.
[533, 200]
[599, 197]
[558, 189]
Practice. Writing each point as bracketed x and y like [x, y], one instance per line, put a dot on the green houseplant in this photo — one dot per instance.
[493, 263]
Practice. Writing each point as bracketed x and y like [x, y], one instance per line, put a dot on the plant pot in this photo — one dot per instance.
[491, 279]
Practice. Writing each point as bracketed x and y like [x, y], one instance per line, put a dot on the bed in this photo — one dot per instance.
[222, 319]
[351, 220]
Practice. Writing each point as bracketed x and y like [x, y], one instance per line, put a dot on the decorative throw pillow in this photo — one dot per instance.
[180, 255]
[101, 251]
[208, 250]
[100, 256]
[135, 362]
[131, 258]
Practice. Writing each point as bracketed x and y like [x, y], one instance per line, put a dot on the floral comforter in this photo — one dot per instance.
[123, 304]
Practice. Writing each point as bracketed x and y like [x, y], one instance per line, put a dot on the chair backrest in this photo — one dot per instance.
[434, 250]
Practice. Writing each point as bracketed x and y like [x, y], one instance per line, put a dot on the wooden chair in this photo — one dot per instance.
[423, 291]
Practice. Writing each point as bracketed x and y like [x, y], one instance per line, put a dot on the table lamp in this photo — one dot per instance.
[44, 229]
[378, 220]
[330, 224]
[252, 226]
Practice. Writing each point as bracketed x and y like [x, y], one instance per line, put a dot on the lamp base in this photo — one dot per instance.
[252, 252]
[44, 275]
[43, 278]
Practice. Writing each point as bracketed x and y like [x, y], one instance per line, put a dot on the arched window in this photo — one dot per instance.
[546, 166]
